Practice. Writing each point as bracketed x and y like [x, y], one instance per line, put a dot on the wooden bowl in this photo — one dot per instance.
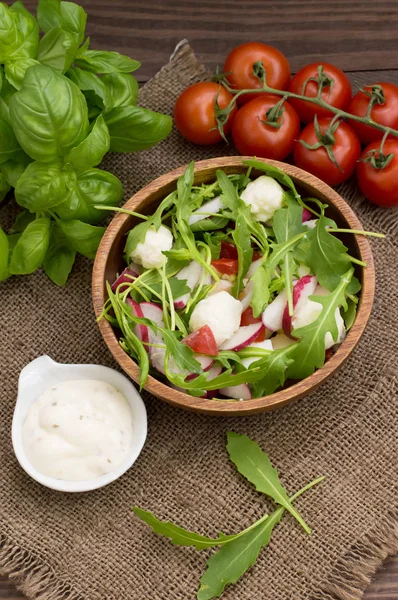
[109, 262]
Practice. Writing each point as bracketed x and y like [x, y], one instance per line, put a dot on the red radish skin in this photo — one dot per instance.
[126, 276]
[302, 288]
[243, 337]
[237, 392]
[306, 215]
[228, 250]
[141, 331]
[202, 341]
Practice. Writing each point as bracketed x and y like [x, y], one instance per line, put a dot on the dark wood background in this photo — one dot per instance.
[359, 36]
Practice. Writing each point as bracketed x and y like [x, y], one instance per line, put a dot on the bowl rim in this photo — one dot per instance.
[256, 405]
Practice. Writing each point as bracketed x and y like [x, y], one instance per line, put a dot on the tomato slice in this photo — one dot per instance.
[261, 336]
[202, 341]
[228, 250]
[226, 266]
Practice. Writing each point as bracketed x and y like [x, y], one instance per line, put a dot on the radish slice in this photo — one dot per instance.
[280, 340]
[246, 296]
[307, 215]
[205, 362]
[273, 314]
[212, 373]
[302, 288]
[311, 224]
[154, 312]
[237, 392]
[265, 345]
[213, 206]
[126, 276]
[141, 331]
[253, 267]
[221, 286]
[243, 337]
[192, 274]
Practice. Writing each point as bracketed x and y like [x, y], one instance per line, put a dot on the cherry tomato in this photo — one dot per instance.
[194, 112]
[247, 318]
[380, 186]
[338, 95]
[239, 65]
[228, 250]
[252, 137]
[226, 266]
[386, 113]
[202, 341]
[346, 150]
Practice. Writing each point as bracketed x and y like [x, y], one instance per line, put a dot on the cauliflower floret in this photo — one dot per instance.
[221, 312]
[264, 195]
[149, 252]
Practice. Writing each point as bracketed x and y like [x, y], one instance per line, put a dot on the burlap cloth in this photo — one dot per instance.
[92, 547]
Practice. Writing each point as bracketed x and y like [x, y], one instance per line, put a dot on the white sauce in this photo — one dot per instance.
[78, 430]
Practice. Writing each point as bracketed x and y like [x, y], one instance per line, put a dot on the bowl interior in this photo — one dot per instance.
[109, 261]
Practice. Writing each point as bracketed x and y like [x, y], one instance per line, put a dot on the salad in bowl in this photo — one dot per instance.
[233, 288]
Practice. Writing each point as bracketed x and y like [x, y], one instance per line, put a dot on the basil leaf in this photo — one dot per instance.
[91, 188]
[42, 186]
[93, 87]
[13, 168]
[31, 247]
[28, 30]
[49, 114]
[16, 68]
[255, 465]
[59, 259]
[133, 128]
[4, 249]
[57, 49]
[9, 146]
[4, 187]
[23, 219]
[82, 237]
[122, 89]
[102, 61]
[92, 150]
[73, 20]
[10, 36]
[49, 14]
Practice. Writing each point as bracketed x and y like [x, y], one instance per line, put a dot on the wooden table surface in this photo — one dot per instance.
[359, 36]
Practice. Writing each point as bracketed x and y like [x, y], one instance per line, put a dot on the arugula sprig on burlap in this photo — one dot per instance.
[237, 551]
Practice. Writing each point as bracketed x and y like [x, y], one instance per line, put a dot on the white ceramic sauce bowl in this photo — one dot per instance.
[42, 373]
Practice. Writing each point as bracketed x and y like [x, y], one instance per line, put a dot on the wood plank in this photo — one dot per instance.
[357, 35]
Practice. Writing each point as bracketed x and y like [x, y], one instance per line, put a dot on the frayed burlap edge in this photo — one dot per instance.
[31, 576]
[353, 573]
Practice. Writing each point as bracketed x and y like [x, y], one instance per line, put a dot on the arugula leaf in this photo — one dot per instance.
[274, 367]
[59, 259]
[349, 313]
[235, 558]
[275, 173]
[287, 222]
[230, 198]
[82, 237]
[31, 247]
[133, 128]
[91, 150]
[4, 250]
[102, 61]
[241, 237]
[214, 244]
[255, 465]
[183, 537]
[178, 287]
[138, 233]
[324, 254]
[232, 560]
[209, 224]
[182, 354]
[310, 352]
